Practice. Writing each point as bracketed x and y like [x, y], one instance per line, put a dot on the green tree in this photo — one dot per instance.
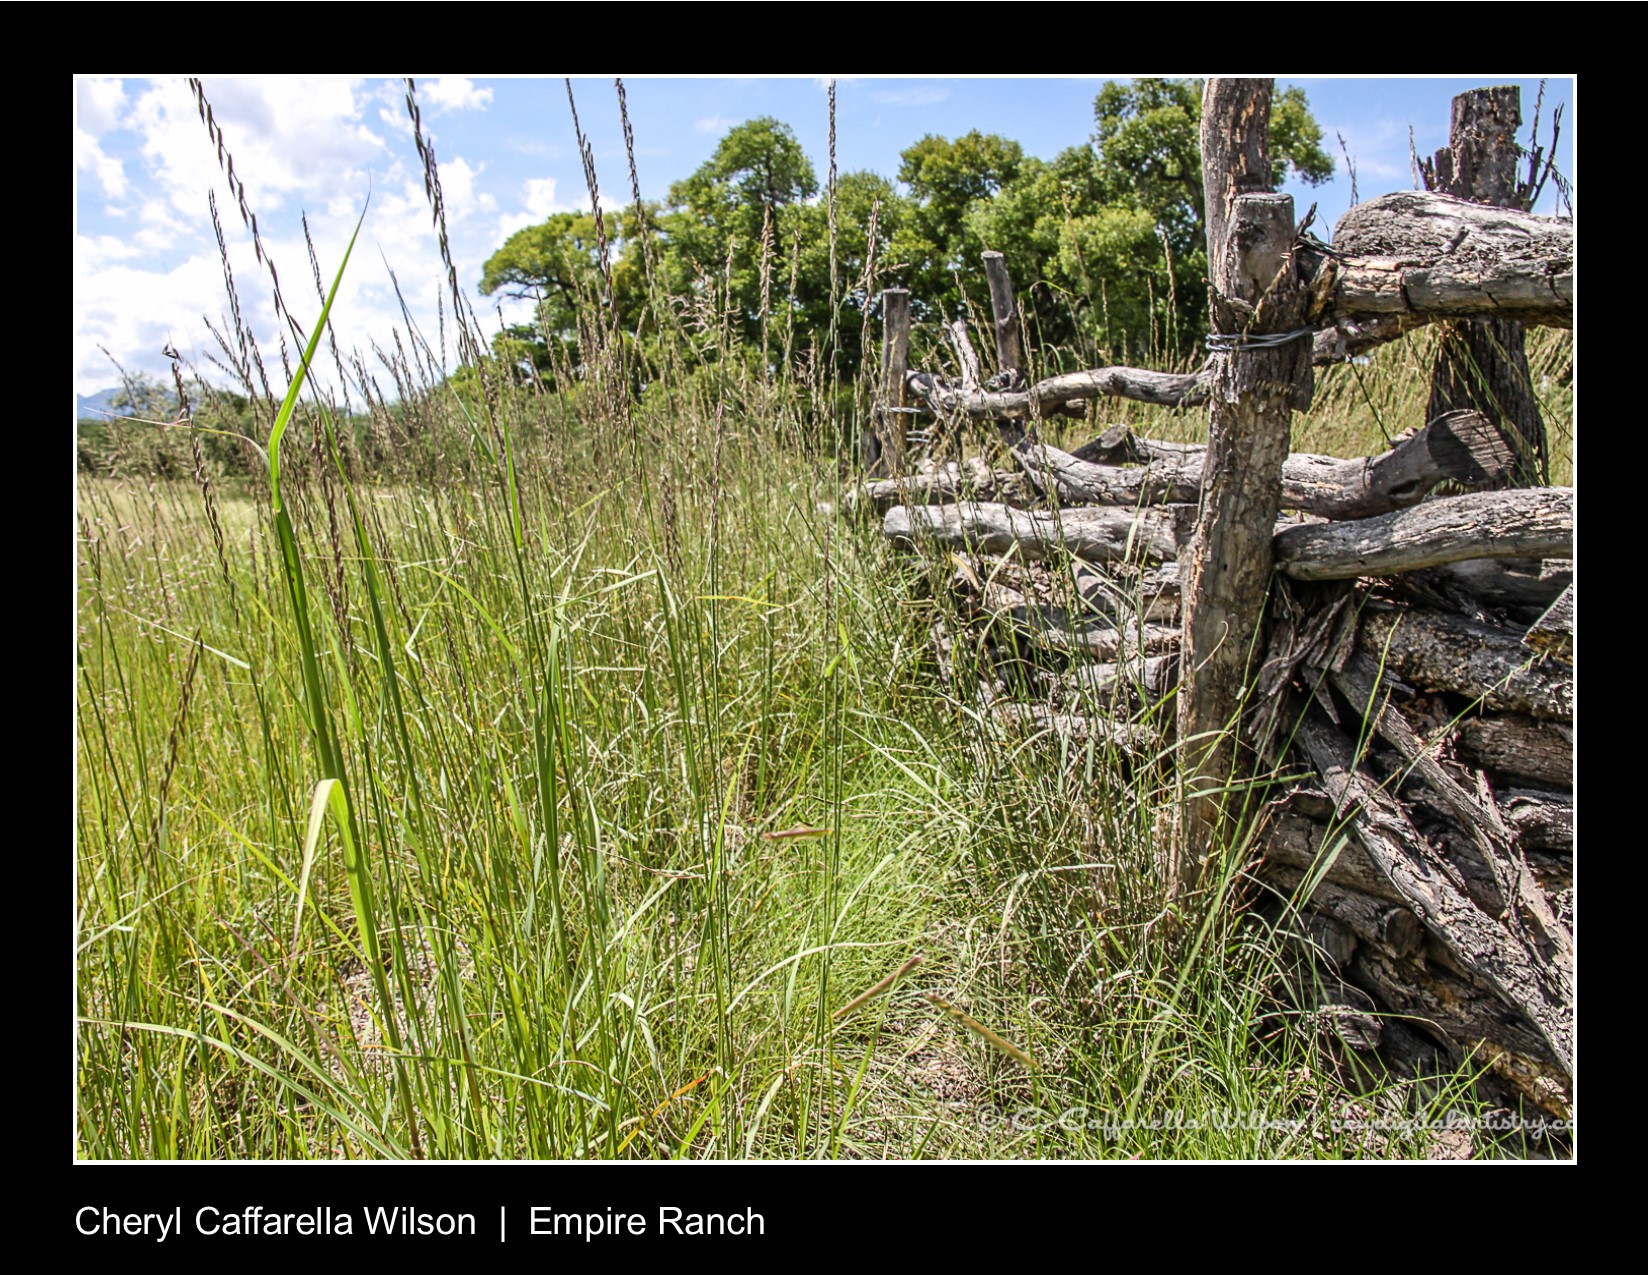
[754, 187]
[1117, 229]
[936, 240]
[557, 264]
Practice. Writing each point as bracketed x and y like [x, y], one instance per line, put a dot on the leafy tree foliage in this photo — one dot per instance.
[1105, 241]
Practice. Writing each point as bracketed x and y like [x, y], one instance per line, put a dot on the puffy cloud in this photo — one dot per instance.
[712, 124]
[539, 196]
[98, 104]
[454, 93]
[89, 157]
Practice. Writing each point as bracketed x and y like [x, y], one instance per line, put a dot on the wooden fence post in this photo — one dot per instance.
[1005, 325]
[1227, 569]
[896, 356]
[1481, 363]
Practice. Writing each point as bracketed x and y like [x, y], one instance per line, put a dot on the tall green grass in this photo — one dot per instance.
[430, 817]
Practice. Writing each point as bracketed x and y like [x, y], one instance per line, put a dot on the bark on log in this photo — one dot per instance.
[896, 354]
[1073, 728]
[1457, 1009]
[1516, 898]
[1553, 633]
[1153, 594]
[1426, 982]
[1482, 947]
[1164, 389]
[1541, 754]
[1005, 315]
[1227, 568]
[1540, 820]
[1481, 364]
[1417, 257]
[1462, 447]
[1097, 535]
[1505, 582]
[1137, 682]
[971, 479]
[1519, 524]
[1389, 926]
[1451, 653]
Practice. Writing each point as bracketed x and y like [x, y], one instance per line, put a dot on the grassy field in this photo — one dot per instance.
[561, 794]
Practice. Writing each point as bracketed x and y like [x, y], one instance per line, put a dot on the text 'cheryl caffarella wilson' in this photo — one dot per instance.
[405, 1220]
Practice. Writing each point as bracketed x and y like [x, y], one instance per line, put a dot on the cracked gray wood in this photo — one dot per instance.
[1462, 447]
[1538, 523]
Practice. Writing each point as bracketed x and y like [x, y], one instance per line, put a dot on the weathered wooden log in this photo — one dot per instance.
[1151, 594]
[1464, 448]
[1351, 336]
[1005, 315]
[1318, 846]
[1254, 291]
[1137, 682]
[1424, 982]
[896, 354]
[1515, 524]
[1073, 728]
[1481, 364]
[1054, 628]
[1098, 535]
[1164, 389]
[1503, 582]
[1540, 820]
[1516, 898]
[1454, 1008]
[1120, 446]
[970, 479]
[1479, 945]
[1446, 652]
[1420, 257]
[1540, 753]
[1308, 844]
[968, 362]
[1390, 926]
[1553, 634]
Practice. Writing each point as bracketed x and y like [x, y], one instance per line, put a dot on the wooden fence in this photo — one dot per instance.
[1411, 651]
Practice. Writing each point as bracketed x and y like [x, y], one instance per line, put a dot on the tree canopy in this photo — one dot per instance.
[1105, 241]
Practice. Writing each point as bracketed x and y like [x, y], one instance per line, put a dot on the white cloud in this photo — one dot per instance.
[459, 192]
[910, 97]
[299, 145]
[98, 104]
[89, 157]
[288, 135]
[454, 93]
[713, 124]
[539, 196]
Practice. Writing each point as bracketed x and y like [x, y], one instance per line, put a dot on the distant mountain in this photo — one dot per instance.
[94, 405]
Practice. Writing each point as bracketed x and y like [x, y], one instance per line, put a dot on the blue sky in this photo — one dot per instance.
[146, 264]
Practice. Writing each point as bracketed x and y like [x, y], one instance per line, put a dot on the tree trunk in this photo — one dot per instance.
[1228, 567]
[1481, 363]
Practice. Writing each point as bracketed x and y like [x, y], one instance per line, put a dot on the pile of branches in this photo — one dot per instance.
[1416, 689]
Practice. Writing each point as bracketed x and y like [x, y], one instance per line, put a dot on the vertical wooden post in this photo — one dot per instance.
[896, 355]
[1004, 314]
[1227, 569]
[1481, 363]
